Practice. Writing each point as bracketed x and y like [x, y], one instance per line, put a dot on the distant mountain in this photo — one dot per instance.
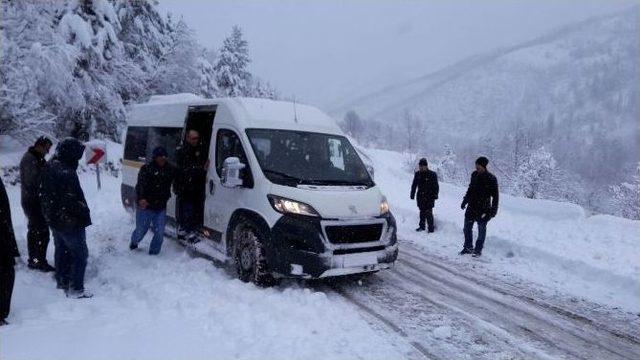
[574, 90]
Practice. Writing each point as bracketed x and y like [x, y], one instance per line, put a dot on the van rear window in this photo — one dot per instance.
[141, 141]
[135, 145]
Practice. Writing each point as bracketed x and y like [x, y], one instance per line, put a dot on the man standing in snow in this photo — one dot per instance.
[153, 190]
[426, 182]
[192, 162]
[481, 201]
[67, 214]
[31, 167]
[8, 253]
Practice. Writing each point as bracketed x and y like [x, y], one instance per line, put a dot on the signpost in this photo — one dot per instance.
[96, 153]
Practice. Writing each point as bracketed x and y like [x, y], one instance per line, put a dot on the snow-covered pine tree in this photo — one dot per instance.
[535, 173]
[627, 196]
[448, 167]
[232, 76]
[352, 124]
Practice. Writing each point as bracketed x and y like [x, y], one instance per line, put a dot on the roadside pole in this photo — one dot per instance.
[96, 153]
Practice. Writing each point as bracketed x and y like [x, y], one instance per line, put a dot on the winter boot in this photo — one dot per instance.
[79, 294]
[476, 254]
[133, 246]
[466, 251]
[420, 229]
[4, 322]
[193, 238]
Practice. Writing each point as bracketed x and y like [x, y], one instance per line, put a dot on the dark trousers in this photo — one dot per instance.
[7, 278]
[190, 214]
[426, 215]
[71, 258]
[37, 233]
[469, 219]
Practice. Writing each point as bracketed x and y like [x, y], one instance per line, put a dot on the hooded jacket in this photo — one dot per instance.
[8, 247]
[31, 167]
[63, 202]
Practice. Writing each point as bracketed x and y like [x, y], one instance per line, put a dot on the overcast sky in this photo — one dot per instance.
[325, 51]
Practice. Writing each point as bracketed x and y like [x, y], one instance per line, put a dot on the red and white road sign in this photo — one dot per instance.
[95, 152]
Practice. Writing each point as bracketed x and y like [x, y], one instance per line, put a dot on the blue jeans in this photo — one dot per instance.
[71, 255]
[156, 219]
[468, 234]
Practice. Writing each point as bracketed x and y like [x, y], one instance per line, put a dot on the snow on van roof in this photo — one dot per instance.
[170, 110]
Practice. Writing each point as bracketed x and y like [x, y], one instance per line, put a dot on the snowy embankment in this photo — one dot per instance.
[554, 245]
[172, 306]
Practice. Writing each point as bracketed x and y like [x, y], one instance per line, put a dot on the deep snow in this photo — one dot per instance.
[178, 306]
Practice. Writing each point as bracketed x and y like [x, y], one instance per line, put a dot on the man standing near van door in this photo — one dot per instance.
[425, 182]
[31, 167]
[192, 162]
[481, 202]
[153, 190]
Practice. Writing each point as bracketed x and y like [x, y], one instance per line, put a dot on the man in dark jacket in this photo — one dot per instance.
[153, 190]
[426, 182]
[481, 201]
[192, 162]
[67, 214]
[31, 167]
[8, 253]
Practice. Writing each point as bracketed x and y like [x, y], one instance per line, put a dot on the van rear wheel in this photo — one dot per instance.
[250, 256]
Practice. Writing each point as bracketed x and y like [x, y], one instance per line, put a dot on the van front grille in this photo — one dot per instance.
[349, 234]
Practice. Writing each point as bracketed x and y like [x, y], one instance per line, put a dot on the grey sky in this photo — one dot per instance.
[325, 51]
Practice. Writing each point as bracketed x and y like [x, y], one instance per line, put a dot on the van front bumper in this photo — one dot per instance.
[299, 249]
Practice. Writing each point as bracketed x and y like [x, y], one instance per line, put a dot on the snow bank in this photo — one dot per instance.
[172, 306]
[553, 244]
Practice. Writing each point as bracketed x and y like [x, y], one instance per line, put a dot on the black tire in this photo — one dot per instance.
[249, 253]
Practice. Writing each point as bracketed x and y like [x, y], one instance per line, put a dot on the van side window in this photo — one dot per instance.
[228, 144]
[167, 137]
[135, 146]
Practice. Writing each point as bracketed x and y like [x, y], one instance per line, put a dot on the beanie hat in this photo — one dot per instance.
[159, 151]
[482, 161]
[42, 141]
[422, 162]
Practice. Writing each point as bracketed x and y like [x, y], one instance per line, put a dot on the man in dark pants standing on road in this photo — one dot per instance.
[65, 208]
[426, 182]
[481, 201]
[192, 163]
[8, 253]
[31, 167]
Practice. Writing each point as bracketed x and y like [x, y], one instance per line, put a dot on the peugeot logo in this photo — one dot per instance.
[353, 209]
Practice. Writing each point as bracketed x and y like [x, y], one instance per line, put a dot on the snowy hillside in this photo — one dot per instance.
[180, 306]
[573, 92]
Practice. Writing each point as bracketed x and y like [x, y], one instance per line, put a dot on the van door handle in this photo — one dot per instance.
[212, 187]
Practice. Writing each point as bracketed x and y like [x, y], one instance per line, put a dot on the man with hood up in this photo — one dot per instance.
[67, 214]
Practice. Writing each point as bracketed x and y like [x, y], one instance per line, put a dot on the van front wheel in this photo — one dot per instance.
[250, 256]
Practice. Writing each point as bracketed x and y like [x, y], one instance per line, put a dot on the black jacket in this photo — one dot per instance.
[191, 176]
[154, 184]
[426, 182]
[63, 202]
[31, 167]
[482, 195]
[8, 246]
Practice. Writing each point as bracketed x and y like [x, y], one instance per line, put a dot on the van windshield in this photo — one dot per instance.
[295, 157]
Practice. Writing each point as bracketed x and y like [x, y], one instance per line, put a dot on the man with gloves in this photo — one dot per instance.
[481, 202]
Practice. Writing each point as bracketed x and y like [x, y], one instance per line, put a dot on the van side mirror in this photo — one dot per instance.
[230, 176]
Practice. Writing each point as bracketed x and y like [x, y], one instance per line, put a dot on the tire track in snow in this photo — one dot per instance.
[541, 325]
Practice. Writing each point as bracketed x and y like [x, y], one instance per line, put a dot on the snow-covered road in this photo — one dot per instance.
[537, 297]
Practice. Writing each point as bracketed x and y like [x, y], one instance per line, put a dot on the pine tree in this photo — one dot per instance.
[353, 124]
[535, 173]
[231, 66]
[448, 168]
[627, 196]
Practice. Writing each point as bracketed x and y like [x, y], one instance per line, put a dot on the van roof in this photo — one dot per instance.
[170, 111]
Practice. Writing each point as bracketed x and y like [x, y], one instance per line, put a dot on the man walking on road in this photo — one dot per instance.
[192, 162]
[481, 202]
[8, 253]
[31, 167]
[426, 182]
[65, 208]
[153, 190]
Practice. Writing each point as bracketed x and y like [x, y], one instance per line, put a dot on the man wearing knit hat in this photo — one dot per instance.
[481, 202]
[425, 182]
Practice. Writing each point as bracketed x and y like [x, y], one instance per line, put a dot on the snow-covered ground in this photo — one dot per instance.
[178, 306]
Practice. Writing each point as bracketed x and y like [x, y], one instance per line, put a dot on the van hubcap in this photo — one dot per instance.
[246, 259]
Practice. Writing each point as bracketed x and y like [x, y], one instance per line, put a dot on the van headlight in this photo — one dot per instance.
[384, 206]
[288, 206]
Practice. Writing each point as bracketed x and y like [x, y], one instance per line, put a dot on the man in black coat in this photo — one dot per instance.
[153, 190]
[481, 202]
[67, 214]
[192, 163]
[31, 167]
[426, 182]
[8, 253]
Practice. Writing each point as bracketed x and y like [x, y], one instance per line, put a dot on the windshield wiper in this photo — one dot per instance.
[282, 175]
